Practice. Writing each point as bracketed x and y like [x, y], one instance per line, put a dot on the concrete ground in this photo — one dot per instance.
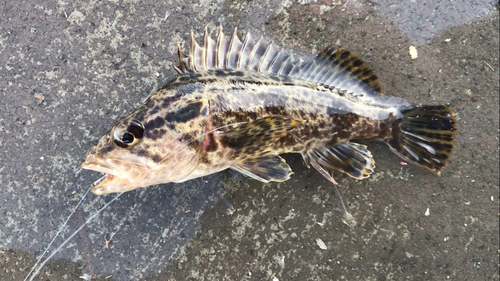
[69, 69]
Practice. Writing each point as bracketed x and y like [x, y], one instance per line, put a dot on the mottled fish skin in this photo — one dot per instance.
[208, 120]
[241, 96]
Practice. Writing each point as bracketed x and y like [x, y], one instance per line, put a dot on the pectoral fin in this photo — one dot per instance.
[265, 169]
[348, 157]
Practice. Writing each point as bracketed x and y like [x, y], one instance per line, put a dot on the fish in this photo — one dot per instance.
[241, 103]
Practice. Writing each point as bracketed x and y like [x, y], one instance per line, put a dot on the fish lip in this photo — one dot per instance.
[98, 164]
[112, 182]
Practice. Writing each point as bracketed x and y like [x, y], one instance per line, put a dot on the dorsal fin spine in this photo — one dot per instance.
[232, 44]
[198, 58]
[180, 55]
[333, 67]
[247, 52]
[321, 64]
[204, 48]
[191, 52]
[270, 57]
[177, 69]
[286, 67]
[217, 50]
[258, 54]
[295, 71]
[240, 51]
[271, 64]
[231, 41]
[324, 76]
[210, 47]
[333, 78]
[278, 64]
[320, 71]
[252, 54]
[259, 68]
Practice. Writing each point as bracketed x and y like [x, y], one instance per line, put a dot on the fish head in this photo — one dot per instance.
[142, 149]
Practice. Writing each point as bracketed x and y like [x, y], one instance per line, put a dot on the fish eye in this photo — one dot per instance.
[127, 133]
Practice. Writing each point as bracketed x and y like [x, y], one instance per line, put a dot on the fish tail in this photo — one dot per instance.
[424, 135]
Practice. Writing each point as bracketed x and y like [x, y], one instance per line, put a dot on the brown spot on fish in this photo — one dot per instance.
[195, 144]
[156, 134]
[367, 72]
[357, 71]
[384, 129]
[185, 114]
[184, 78]
[212, 144]
[186, 138]
[106, 149]
[158, 122]
[345, 54]
[141, 152]
[205, 159]
[156, 158]
[155, 110]
[357, 63]
[167, 101]
[147, 154]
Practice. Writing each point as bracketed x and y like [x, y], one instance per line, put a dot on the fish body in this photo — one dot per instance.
[240, 105]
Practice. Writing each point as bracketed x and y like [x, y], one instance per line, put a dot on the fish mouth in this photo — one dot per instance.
[114, 179]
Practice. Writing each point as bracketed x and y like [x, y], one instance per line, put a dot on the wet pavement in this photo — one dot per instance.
[94, 61]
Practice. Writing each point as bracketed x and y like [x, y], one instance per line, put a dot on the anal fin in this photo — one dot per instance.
[351, 158]
[265, 169]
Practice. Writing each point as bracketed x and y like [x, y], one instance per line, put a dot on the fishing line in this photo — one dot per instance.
[348, 218]
[60, 229]
[72, 235]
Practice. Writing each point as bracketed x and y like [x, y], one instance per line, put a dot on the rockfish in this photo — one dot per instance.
[240, 105]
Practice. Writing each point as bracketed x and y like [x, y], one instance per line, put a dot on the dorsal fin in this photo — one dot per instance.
[354, 65]
[333, 67]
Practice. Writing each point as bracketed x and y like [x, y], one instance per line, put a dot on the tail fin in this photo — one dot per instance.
[424, 135]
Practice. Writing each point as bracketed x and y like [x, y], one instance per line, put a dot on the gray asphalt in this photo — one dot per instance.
[94, 61]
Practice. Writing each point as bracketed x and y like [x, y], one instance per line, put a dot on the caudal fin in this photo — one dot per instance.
[425, 136]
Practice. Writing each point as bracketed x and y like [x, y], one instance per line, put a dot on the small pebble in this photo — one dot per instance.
[413, 52]
[321, 244]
